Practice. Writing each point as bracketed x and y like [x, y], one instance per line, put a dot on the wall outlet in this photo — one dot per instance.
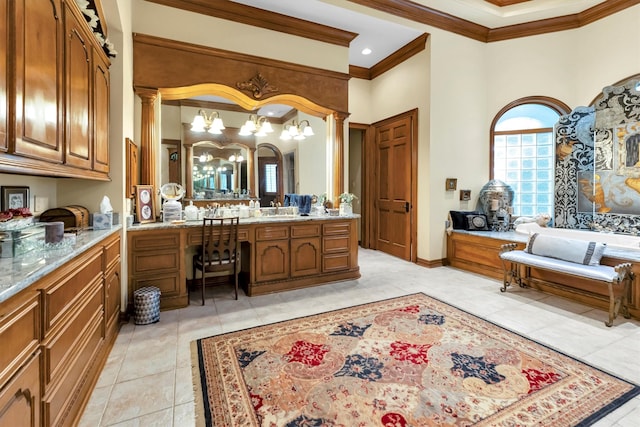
[41, 203]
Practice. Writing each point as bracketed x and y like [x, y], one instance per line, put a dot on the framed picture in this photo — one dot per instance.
[14, 197]
[451, 184]
[465, 195]
[145, 211]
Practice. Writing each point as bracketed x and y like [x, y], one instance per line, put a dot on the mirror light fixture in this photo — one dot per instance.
[234, 158]
[205, 157]
[297, 131]
[211, 123]
[256, 125]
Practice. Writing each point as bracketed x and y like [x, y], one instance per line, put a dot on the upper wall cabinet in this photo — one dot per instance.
[59, 125]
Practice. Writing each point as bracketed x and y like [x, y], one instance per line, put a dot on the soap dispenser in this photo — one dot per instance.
[191, 212]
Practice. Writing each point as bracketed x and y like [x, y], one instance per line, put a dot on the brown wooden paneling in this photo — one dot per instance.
[63, 347]
[335, 262]
[272, 260]
[155, 240]
[60, 297]
[4, 80]
[306, 255]
[272, 232]
[100, 131]
[57, 403]
[332, 244]
[19, 332]
[156, 262]
[78, 75]
[20, 398]
[38, 79]
[307, 230]
[193, 64]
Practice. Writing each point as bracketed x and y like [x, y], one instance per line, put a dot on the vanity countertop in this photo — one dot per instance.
[20, 272]
[255, 220]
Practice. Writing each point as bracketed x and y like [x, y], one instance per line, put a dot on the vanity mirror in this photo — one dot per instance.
[236, 163]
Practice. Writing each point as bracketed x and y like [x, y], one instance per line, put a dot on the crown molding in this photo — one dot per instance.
[264, 19]
[418, 13]
[407, 51]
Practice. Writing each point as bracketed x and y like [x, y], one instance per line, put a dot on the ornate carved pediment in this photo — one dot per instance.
[257, 86]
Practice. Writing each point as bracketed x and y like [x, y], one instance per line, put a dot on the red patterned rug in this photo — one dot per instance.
[409, 361]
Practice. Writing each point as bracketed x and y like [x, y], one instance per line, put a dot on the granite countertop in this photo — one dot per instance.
[629, 254]
[20, 272]
[254, 220]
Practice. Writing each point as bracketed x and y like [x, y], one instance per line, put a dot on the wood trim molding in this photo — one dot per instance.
[359, 72]
[264, 19]
[431, 264]
[425, 15]
[502, 3]
[419, 13]
[407, 51]
[195, 69]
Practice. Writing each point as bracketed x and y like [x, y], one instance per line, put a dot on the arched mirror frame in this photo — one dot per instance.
[189, 72]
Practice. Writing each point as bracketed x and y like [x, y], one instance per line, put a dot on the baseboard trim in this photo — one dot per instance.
[431, 264]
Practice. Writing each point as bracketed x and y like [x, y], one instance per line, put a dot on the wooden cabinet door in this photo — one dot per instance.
[78, 72]
[100, 113]
[272, 260]
[306, 257]
[4, 98]
[112, 286]
[20, 398]
[38, 74]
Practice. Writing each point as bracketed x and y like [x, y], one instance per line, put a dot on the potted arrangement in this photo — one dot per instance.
[346, 203]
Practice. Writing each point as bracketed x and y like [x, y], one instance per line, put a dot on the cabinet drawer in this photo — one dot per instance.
[272, 232]
[156, 262]
[336, 228]
[152, 240]
[169, 285]
[111, 252]
[20, 398]
[59, 399]
[311, 230]
[60, 298]
[63, 347]
[19, 333]
[335, 262]
[333, 244]
[194, 236]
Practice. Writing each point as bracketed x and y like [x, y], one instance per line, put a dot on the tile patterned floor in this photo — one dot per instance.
[147, 378]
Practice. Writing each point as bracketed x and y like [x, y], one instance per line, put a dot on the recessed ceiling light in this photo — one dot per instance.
[366, 51]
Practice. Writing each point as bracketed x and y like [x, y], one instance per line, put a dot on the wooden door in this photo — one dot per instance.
[395, 185]
[101, 113]
[38, 68]
[269, 180]
[4, 77]
[78, 94]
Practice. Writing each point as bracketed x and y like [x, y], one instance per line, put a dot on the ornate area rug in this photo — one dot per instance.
[409, 361]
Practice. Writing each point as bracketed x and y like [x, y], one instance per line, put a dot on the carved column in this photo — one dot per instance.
[251, 152]
[188, 176]
[148, 143]
[338, 158]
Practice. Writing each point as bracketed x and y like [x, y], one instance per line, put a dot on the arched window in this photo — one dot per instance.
[522, 152]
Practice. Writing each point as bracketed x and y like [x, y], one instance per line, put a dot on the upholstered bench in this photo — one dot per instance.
[571, 257]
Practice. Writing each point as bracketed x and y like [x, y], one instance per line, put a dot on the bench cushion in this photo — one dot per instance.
[604, 273]
[578, 251]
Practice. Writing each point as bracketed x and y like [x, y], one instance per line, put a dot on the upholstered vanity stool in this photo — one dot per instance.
[219, 254]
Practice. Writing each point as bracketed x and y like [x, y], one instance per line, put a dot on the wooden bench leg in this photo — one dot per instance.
[615, 303]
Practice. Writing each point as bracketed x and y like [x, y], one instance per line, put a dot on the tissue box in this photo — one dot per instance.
[102, 221]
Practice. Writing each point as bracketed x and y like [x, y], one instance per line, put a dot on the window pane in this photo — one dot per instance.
[524, 158]
[270, 178]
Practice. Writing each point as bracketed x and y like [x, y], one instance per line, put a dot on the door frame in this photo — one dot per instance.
[371, 187]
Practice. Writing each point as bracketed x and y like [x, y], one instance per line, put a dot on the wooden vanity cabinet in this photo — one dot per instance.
[54, 339]
[56, 119]
[38, 70]
[156, 259]
[20, 360]
[337, 240]
[272, 253]
[306, 250]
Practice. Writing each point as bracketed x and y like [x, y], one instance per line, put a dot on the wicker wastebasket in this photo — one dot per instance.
[146, 302]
